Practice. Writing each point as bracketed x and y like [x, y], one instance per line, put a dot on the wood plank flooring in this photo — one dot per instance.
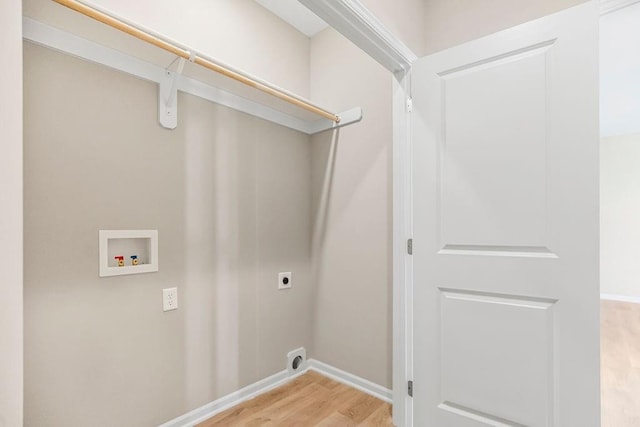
[309, 400]
[620, 363]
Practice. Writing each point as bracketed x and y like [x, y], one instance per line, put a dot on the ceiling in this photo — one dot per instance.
[295, 14]
[620, 72]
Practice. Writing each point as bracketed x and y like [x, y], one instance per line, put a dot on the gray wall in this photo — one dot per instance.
[352, 212]
[229, 195]
[11, 379]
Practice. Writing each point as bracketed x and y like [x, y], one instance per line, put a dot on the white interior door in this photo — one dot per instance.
[505, 190]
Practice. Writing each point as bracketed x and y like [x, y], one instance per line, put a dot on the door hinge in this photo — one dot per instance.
[409, 105]
[410, 246]
[410, 388]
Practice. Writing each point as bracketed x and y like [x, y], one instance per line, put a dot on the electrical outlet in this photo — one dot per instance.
[284, 280]
[169, 299]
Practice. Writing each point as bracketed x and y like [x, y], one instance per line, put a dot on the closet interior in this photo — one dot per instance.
[157, 142]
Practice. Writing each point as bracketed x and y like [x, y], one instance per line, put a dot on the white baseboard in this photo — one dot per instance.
[622, 298]
[349, 379]
[207, 411]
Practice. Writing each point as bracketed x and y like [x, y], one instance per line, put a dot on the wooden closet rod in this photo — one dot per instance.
[184, 53]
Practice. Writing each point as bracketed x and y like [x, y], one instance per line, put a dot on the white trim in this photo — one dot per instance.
[609, 6]
[402, 261]
[53, 38]
[623, 298]
[351, 380]
[353, 20]
[209, 410]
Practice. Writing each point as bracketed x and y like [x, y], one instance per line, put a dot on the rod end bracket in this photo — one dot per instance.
[168, 101]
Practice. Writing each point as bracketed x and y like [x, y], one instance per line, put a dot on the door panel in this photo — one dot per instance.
[505, 193]
[493, 187]
[486, 340]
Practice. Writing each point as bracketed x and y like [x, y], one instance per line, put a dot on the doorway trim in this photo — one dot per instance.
[402, 248]
[354, 21]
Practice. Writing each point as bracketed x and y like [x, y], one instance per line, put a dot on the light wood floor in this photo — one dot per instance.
[309, 400]
[620, 353]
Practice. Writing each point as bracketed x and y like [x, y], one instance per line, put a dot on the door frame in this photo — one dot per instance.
[402, 365]
[354, 21]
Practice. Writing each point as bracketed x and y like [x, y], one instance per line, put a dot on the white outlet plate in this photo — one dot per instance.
[282, 278]
[170, 299]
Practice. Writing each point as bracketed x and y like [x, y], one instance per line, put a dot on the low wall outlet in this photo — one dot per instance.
[284, 280]
[296, 360]
[169, 299]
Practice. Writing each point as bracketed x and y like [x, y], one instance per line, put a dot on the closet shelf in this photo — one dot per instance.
[126, 47]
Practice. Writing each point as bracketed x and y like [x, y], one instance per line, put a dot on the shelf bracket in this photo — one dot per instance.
[348, 117]
[168, 95]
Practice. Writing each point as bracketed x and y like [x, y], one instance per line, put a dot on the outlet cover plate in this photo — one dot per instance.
[282, 278]
[170, 299]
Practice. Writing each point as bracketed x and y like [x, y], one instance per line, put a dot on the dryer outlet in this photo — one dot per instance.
[296, 360]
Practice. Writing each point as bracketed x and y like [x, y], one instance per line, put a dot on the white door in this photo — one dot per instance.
[505, 190]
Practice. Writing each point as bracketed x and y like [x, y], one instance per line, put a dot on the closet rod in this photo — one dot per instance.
[185, 53]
